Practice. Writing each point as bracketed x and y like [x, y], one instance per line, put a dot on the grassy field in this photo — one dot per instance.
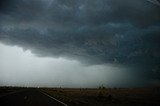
[100, 96]
[107, 96]
[5, 90]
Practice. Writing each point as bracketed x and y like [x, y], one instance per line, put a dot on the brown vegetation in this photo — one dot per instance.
[100, 96]
[6, 90]
[106, 96]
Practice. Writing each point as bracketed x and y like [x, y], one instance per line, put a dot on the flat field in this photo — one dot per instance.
[95, 96]
[107, 96]
[6, 90]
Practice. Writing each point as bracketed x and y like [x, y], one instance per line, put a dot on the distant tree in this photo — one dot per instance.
[102, 87]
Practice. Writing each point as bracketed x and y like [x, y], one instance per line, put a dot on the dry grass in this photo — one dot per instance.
[109, 97]
[5, 90]
[101, 96]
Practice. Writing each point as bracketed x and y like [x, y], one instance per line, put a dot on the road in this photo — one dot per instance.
[29, 97]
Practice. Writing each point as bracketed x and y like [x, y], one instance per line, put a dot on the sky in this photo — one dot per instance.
[80, 43]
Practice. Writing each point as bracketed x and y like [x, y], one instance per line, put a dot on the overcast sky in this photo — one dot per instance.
[80, 43]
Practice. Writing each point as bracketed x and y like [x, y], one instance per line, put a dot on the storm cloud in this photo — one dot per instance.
[123, 32]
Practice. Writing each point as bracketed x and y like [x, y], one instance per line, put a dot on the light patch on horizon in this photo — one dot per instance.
[22, 68]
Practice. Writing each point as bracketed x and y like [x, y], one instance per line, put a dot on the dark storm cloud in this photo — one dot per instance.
[93, 31]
